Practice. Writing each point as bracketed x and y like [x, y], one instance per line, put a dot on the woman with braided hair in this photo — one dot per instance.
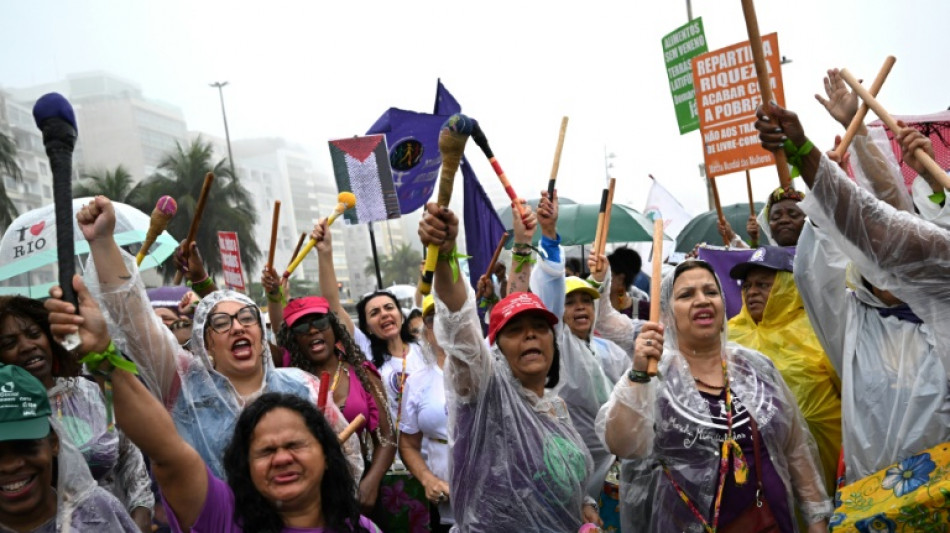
[317, 342]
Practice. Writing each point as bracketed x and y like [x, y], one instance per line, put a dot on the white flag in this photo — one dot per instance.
[662, 204]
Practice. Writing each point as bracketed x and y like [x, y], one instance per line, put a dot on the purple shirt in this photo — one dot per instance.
[736, 499]
[217, 514]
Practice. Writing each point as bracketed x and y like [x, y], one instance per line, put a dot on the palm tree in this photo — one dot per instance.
[400, 267]
[9, 167]
[116, 185]
[181, 175]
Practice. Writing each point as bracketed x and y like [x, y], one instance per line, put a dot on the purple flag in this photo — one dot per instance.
[483, 228]
[413, 140]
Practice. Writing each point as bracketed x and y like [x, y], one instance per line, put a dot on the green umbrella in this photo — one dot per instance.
[705, 227]
[577, 224]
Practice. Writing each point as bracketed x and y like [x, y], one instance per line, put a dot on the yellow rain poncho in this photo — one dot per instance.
[785, 336]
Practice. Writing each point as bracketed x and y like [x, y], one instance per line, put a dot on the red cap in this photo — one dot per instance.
[300, 307]
[512, 306]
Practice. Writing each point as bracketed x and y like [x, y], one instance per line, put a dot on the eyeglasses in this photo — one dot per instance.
[320, 322]
[221, 322]
[181, 323]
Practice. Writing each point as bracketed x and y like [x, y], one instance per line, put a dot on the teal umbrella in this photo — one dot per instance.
[705, 227]
[577, 225]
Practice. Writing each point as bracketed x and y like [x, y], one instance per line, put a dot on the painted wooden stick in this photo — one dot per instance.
[557, 158]
[600, 223]
[351, 428]
[765, 88]
[324, 391]
[922, 156]
[196, 219]
[655, 283]
[859, 117]
[494, 257]
[748, 186]
[273, 235]
[346, 200]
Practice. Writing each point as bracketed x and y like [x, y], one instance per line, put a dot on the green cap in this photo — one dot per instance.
[24, 406]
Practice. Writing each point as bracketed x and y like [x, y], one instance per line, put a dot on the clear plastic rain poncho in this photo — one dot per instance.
[584, 385]
[81, 504]
[894, 372]
[114, 461]
[517, 462]
[667, 419]
[785, 336]
[203, 403]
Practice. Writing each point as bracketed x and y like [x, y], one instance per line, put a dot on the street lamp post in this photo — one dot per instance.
[227, 135]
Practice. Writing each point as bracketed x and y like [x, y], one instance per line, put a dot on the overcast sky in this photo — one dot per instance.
[316, 70]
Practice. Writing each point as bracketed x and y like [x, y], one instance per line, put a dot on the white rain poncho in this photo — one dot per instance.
[517, 462]
[894, 373]
[81, 504]
[584, 384]
[203, 403]
[114, 461]
[667, 419]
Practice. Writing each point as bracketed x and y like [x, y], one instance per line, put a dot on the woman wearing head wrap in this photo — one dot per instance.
[79, 406]
[694, 432]
[230, 361]
[518, 464]
[45, 485]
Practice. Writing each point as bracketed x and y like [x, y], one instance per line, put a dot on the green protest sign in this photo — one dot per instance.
[679, 47]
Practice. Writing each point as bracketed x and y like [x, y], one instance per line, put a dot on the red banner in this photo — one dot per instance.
[231, 260]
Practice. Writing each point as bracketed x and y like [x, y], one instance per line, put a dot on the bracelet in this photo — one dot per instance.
[638, 376]
[111, 358]
[938, 197]
[594, 283]
[483, 302]
[199, 286]
[520, 259]
[453, 259]
[277, 297]
[95, 360]
[794, 154]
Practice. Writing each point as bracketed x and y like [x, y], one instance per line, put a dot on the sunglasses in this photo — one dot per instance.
[303, 326]
[221, 322]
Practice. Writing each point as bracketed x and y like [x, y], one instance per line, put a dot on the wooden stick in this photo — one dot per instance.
[655, 283]
[600, 220]
[602, 245]
[748, 186]
[719, 213]
[557, 157]
[858, 119]
[196, 219]
[351, 428]
[922, 156]
[297, 249]
[273, 235]
[761, 70]
[494, 257]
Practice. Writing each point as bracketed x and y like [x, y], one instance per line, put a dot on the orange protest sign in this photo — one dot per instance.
[727, 95]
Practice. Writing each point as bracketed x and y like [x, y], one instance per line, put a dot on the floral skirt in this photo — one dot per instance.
[913, 495]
